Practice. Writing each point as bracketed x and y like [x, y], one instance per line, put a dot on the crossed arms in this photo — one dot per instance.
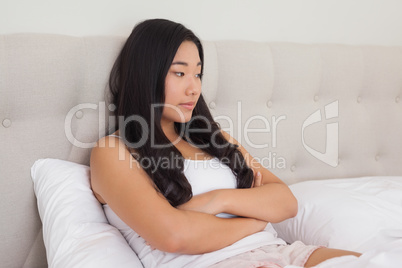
[192, 227]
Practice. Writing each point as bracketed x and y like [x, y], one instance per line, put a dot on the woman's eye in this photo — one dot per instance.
[199, 75]
[179, 74]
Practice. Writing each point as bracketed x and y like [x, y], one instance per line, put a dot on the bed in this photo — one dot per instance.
[325, 118]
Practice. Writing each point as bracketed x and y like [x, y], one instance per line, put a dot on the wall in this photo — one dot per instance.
[308, 21]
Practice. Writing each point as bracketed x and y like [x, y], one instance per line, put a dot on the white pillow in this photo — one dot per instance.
[76, 232]
[357, 214]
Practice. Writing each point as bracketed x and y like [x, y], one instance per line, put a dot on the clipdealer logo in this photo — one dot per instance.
[330, 156]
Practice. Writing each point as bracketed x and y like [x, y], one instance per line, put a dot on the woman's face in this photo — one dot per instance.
[182, 84]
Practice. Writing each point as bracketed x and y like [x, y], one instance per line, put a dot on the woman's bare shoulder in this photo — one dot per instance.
[105, 150]
[112, 165]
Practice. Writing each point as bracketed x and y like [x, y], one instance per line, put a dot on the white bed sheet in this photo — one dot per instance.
[388, 256]
[358, 214]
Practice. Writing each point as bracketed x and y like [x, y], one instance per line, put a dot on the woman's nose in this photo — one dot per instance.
[194, 86]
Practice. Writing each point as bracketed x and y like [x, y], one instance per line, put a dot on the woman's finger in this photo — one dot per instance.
[259, 178]
[254, 177]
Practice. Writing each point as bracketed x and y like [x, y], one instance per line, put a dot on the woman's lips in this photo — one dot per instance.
[188, 105]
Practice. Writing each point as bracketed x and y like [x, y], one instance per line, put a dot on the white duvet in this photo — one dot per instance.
[358, 214]
[384, 257]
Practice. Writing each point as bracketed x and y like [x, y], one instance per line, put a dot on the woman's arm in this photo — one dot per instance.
[118, 179]
[270, 201]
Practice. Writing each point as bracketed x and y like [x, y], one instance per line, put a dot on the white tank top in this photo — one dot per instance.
[203, 175]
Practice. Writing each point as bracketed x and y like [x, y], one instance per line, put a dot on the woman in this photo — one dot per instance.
[171, 181]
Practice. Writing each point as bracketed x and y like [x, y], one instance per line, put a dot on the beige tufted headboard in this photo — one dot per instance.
[305, 111]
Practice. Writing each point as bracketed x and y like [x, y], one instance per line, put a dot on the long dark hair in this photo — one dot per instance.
[136, 82]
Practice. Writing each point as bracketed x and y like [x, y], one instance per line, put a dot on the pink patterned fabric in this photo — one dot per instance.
[271, 256]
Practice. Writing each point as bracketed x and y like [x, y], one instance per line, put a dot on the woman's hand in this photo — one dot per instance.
[257, 179]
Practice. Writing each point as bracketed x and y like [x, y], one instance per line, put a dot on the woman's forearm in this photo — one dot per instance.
[198, 233]
[273, 202]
